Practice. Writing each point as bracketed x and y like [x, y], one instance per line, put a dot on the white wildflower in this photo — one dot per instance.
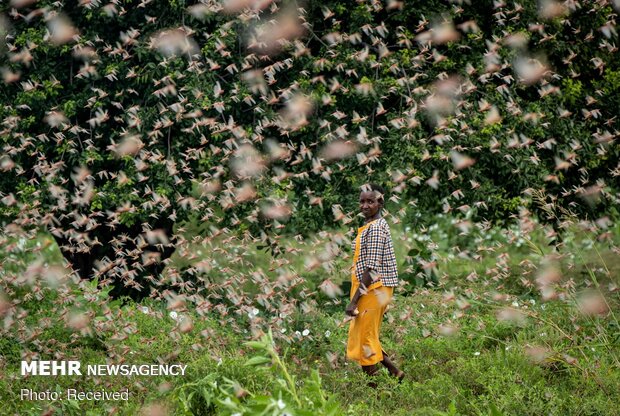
[253, 313]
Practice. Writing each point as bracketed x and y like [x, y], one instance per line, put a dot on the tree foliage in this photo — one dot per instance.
[121, 120]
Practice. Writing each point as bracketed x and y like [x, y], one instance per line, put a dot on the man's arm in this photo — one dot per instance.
[373, 253]
[366, 281]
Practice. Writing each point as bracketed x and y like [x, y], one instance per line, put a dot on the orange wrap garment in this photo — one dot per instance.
[363, 343]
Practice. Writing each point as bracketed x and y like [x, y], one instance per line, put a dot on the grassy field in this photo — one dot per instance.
[489, 339]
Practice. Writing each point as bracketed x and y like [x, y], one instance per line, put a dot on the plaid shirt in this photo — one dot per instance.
[377, 253]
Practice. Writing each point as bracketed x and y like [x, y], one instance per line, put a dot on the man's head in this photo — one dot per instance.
[371, 200]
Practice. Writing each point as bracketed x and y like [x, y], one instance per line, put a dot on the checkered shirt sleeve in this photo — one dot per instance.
[377, 254]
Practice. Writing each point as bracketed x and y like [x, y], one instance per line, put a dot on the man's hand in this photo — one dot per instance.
[351, 309]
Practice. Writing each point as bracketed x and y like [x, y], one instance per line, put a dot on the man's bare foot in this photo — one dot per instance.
[394, 371]
[371, 370]
[400, 375]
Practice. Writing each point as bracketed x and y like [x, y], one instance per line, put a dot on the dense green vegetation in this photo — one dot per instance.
[130, 117]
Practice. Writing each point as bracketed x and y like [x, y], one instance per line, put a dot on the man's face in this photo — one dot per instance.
[369, 204]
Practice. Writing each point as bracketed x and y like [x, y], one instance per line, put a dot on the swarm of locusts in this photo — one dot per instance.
[158, 145]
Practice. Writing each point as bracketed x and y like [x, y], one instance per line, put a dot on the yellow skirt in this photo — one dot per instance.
[363, 345]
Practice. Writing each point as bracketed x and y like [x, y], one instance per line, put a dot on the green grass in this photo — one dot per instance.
[484, 368]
